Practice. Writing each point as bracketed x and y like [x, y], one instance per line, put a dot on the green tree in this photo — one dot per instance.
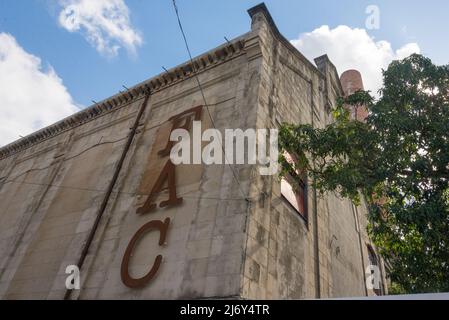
[396, 161]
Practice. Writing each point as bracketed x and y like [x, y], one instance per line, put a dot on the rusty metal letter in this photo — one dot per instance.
[168, 173]
[186, 118]
[140, 282]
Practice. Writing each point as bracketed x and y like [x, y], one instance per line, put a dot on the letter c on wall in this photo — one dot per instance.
[140, 282]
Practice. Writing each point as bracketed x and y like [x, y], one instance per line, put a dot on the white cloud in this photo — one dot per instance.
[104, 23]
[353, 49]
[30, 97]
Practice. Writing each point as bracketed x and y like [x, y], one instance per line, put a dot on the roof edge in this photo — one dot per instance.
[174, 75]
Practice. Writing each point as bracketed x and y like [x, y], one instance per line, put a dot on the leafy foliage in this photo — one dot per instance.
[397, 161]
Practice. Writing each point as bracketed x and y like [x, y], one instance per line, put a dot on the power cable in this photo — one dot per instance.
[119, 192]
[98, 144]
[202, 93]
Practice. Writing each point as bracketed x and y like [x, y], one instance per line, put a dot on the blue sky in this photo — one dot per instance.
[81, 71]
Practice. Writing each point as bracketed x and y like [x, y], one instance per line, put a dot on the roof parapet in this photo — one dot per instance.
[262, 8]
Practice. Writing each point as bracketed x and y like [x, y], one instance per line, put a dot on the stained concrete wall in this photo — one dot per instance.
[203, 254]
[227, 238]
[287, 256]
[49, 202]
[52, 191]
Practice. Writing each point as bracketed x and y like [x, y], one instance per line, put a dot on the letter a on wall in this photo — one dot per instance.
[167, 174]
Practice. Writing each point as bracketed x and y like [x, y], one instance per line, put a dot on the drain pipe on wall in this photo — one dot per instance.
[359, 232]
[110, 187]
[316, 247]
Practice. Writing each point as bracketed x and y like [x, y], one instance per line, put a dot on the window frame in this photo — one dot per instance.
[302, 184]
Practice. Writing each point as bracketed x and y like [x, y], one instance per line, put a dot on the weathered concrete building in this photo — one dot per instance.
[70, 193]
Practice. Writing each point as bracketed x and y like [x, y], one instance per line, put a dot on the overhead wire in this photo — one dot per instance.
[203, 95]
[118, 192]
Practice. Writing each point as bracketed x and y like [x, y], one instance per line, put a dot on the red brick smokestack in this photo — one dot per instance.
[351, 81]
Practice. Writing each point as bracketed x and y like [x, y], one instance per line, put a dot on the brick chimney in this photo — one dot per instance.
[351, 81]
